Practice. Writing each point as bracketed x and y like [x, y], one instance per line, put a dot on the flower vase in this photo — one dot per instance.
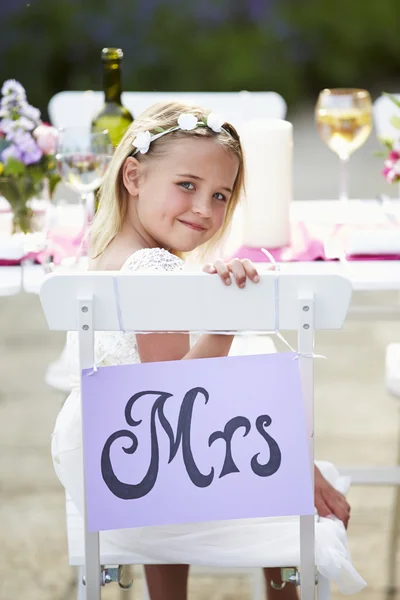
[19, 192]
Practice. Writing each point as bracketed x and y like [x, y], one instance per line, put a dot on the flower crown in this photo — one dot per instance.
[186, 122]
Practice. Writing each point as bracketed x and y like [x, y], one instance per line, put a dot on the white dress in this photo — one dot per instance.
[245, 542]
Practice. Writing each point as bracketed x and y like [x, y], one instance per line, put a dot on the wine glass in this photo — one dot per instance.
[83, 158]
[344, 122]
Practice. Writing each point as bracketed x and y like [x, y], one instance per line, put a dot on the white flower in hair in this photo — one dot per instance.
[187, 122]
[142, 141]
[215, 122]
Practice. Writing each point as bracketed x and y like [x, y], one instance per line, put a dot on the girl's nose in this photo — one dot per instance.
[202, 206]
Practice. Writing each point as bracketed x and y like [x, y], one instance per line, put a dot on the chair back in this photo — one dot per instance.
[383, 109]
[195, 301]
[73, 108]
[107, 301]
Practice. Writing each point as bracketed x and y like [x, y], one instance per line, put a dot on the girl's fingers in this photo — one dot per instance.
[322, 507]
[251, 271]
[238, 270]
[223, 271]
[209, 268]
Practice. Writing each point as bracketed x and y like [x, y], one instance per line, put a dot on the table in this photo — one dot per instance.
[366, 276]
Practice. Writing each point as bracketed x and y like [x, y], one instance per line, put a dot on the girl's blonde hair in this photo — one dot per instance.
[113, 194]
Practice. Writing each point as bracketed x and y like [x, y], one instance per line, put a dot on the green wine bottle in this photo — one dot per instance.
[113, 116]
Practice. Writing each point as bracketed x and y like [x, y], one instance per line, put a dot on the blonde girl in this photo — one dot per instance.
[172, 187]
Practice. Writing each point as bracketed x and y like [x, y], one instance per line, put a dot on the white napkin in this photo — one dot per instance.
[12, 247]
[373, 242]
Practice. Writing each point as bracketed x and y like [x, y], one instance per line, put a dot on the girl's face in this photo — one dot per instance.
[181, 197]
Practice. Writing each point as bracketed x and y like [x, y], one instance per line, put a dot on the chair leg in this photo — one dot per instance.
[394, 534]
[145, 594]
[258, 585]
[323, 588]
[81, 590]
[127, 577]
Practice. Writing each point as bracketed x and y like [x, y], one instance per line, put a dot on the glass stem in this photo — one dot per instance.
[344, 178]
[81, 250]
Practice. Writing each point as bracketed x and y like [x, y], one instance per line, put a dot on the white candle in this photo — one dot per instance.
[268, 150]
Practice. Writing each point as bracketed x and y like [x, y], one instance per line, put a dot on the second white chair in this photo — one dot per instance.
[77, 108]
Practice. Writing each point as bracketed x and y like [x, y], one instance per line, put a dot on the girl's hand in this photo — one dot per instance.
[328, 501]
[240, 270]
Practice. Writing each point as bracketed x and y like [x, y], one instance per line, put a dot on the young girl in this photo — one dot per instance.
[172, 187]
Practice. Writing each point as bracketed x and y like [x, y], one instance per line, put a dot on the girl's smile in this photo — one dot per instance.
[192, 225]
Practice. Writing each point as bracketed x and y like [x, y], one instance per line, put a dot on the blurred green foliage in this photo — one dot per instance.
[350, 42]
[294, 47]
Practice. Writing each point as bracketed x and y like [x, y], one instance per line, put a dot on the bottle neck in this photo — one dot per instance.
[112, 82]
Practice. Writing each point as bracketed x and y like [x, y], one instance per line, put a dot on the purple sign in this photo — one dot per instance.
[195, 440]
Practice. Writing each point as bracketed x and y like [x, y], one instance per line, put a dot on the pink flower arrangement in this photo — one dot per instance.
[46, 138]
[391, 169]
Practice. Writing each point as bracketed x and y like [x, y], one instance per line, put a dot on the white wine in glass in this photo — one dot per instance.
[344, 122]
[83, 158]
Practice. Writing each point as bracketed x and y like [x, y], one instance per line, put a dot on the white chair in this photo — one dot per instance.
[383, 108]
[393, 387]
[87, 303]
[68, 109]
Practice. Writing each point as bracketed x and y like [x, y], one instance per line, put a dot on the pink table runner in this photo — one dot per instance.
[63, 242]
[308, 243]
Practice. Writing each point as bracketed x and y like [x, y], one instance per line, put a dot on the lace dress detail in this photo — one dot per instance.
[153, 259]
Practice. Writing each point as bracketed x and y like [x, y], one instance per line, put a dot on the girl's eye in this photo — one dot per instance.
[187, 185]
[219, 196]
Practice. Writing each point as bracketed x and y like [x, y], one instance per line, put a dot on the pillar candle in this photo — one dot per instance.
[268, 150]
